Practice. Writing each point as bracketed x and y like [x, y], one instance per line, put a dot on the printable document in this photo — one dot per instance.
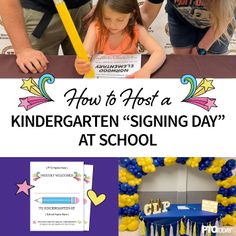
[88, 184]
[57, 200]
[183, 208]
[210, 206]
[116, 66]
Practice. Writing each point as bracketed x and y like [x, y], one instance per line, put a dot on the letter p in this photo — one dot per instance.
[204, 228]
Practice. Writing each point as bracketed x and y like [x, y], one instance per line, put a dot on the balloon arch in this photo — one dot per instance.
[132, 171]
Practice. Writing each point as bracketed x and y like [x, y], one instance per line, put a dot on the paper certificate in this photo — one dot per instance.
[56, 201]
[210, 206]
[116, 66]
[88, 183]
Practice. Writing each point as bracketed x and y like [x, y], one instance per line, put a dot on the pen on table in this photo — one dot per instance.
[58, 200]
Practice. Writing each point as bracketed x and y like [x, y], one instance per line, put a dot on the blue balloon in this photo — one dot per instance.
[223, 213]
[155, 162]
[208, 163]
[221, 176]
[139, 175]
[229, 210]
[139, 168]
[221, 209]
[215, 177]
[124, 187]
[136, 207]
[160, 161]
[202, 166]
[225, 169]
[205, 163]
[231, 164]
[233, 206]
[221, 190]
[232, 191]
[229, 174]
[133, 162]
[124, 161]
[181, 160]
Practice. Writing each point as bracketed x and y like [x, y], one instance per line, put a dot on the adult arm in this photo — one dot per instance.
[89, 15]
[27, 58]
[208, 39]
[149, 11]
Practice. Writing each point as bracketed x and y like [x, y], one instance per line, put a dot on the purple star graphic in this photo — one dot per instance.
[24, 103]
[24, 187]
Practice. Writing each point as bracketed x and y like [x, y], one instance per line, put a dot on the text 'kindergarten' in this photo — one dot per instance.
[124, 119]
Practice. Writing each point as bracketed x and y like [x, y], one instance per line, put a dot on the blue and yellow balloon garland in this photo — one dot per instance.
[132, 171]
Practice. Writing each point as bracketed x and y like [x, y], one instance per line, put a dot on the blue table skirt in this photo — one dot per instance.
[194, 214]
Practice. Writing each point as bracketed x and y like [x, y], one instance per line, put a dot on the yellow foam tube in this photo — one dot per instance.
[72, 33]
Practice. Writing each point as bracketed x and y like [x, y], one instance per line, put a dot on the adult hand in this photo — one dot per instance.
[140, 74]
[31, 60]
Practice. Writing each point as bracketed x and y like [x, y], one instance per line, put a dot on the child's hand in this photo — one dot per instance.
[140, 74]
[81, 66]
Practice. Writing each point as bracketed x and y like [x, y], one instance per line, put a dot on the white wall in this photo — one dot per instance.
[177, 178]
[165, 179]
[200, 181]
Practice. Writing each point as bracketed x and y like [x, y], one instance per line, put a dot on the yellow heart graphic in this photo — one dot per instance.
[96, 200]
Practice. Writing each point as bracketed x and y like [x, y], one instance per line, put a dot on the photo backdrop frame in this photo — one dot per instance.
[132, 171]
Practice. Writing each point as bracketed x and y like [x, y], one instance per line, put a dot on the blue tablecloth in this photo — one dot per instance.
[194, 214]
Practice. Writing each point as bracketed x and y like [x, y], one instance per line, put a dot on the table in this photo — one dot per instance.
[174, 67]
[194, 214]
